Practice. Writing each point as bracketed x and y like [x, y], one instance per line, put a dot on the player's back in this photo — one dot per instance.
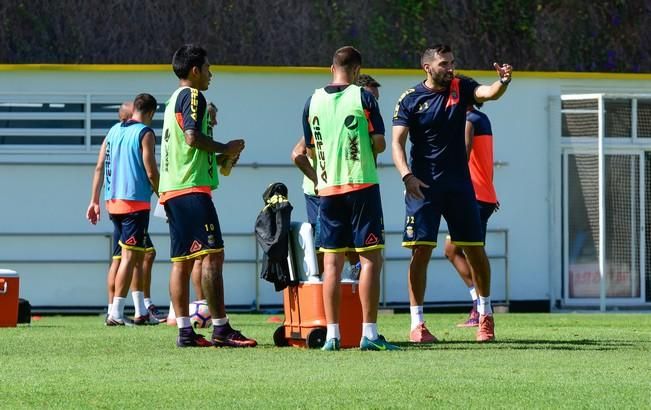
[124, 169]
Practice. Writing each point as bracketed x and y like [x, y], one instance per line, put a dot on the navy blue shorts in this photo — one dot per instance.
[486, 209]
[312, 208]
[130, 230]
[460, 210]
[194, 227]
[117, 249]
[352, 221]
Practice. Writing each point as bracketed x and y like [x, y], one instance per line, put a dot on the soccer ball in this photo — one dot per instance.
[200, 314]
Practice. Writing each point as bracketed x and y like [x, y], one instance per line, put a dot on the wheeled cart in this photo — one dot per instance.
[305, 323]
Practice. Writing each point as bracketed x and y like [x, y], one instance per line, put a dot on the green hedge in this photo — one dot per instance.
[570, 35]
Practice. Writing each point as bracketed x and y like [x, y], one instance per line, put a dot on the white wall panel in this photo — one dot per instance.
[47, 191]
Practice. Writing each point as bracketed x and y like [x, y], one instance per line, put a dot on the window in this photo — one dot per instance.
[624, 116]
[27, 120]
[76, 122]
[579, 118]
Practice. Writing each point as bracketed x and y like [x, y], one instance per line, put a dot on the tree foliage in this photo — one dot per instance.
[552, 35]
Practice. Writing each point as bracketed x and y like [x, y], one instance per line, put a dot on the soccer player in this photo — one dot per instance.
[437, 180]
[479, 149]
[141, 279]
[124, 114]
[188, 175]
[125, 111]
[344, 131]
[307, 166]
[127, 162]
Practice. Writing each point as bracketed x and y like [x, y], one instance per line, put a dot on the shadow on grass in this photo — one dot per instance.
[524, 344]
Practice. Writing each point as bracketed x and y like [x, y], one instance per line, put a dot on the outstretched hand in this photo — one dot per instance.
[504, 71]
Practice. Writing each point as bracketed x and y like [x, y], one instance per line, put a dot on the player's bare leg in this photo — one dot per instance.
[180, 295]
[130, 258]
[196, 279]
[458, 259]
[141, 315]
[212, 284]
[179, 288]
[420, 256]
[147, 267]
[333, 264]
[369, 284]
[481, 272]
[369, 296]
[110, 283]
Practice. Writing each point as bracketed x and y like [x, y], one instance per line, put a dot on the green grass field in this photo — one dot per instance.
[539, 360]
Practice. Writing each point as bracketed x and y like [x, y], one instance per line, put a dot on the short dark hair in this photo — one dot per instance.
[186, 57]
[145, 103]
[430, 52]
[365, 80]
[347, 57]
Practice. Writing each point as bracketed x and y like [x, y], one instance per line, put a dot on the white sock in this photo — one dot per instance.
[417, 316]
[117, 309]
[369, 330]
[139, 303]
[170, 313]
[148, 302]
[484, 306]
[110, 306]
[332, 331]
[182, 322]
[473, 293]
[220, 322]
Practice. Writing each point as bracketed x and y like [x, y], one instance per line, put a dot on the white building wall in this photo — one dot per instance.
[62, 259]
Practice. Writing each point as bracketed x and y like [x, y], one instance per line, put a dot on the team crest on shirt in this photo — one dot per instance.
[196, 246]
[409, 231]
[211, 240]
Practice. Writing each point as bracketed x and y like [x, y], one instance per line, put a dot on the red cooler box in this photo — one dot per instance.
[305, 323]
[8, 298]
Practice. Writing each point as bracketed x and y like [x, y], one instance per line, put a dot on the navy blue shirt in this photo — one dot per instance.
[190, 108]
[480, 122]
[369, 104]
[437, 123]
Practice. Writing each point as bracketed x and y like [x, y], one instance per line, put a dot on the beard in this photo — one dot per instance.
[443, 79]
